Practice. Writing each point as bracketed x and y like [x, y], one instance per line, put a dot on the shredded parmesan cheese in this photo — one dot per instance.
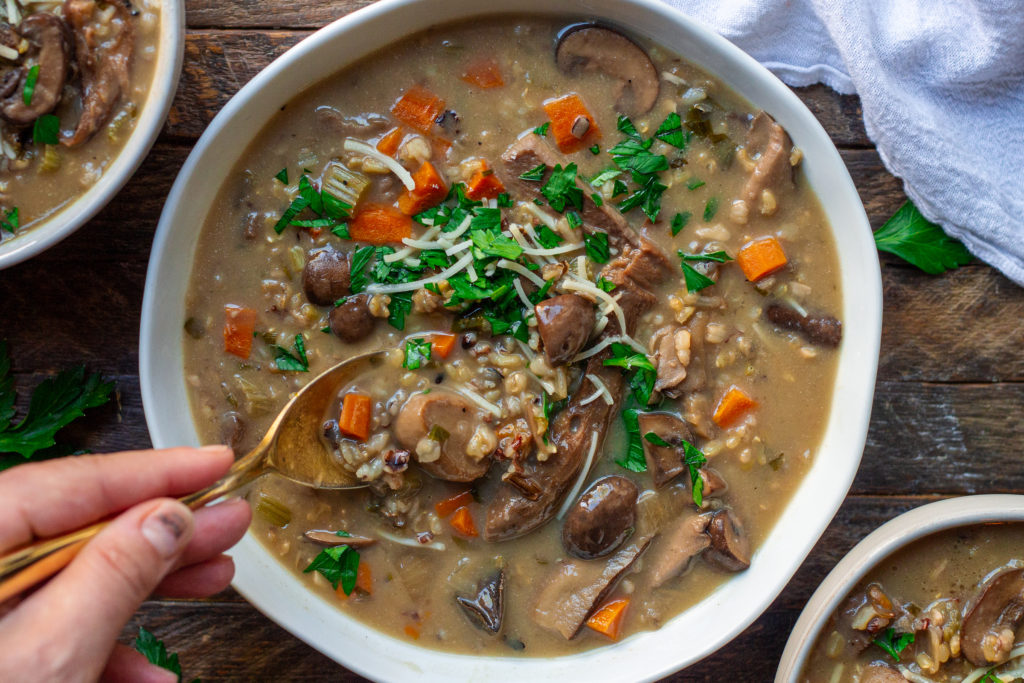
[522, 270]
[605, 343]
[418, 284]
[407, 251]
[395, 167]
[518, 284]
[580, 479]
[602, 391]
[580, 286]
[543, 216]
[456, 248]
[477, 399]
[411, 542]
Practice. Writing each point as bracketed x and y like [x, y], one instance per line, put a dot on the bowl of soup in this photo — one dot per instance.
[615, 356]
[932, 595]
[85, 87]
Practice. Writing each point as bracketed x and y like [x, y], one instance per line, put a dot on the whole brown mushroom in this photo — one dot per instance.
[596, 49]
[352, 320]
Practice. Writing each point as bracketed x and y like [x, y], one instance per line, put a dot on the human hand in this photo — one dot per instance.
[67, 629]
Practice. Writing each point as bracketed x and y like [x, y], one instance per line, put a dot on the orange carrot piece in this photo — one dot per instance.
[442, 343]
[463, 522]
[355, 416]
[418, 108]
[430, 190]
[563, 113]
[379, 224]
[761, 257]
[732, 406]
[239, 327]
[364, 581]
[445, 507]
[608, 619]
[484, 185]
[389, 143]
[484, 74]
[412, 631]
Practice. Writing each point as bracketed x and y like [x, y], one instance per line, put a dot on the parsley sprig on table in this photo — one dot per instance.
[55, 403]
[920, 242]
[156, 652]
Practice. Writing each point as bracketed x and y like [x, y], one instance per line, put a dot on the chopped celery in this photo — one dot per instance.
[343, 184]
[272, 510]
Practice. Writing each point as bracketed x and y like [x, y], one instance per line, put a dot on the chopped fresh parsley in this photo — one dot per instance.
[288, 362]
[641, 382]
[619, 188]
[315, 223]
[417, 353]
[504, 200]
[156, 652]
[11, 223]
[542, 129]
[573, 219]
[487, 243]
[400, 306]
[605, 285]
[634, 460]
[282, 175]
[710, 209]
[486, 219]
[634, 156]
[561, 190]
[536, 173]
[46, 130]
[714, 256]
[357, 275]
[693, 458]
[328, 208]
[694, 183]
[595, 150]
[30, 84]
[597, 247]
[915, 239]
[596, 199]
[55, 403]
[991, 676]
[695, 281]
[341, 231]
[671, 131]
[679, 222]
[604, 176]
[548, 238]
[338, 564]
[627, 128]
[647, 197]
[894, 644]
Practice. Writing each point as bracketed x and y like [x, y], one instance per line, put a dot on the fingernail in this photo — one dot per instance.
[167, 527]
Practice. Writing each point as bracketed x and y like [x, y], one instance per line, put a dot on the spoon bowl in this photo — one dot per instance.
[292, 448]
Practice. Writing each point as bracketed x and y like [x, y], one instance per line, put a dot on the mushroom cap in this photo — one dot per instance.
[585, 47]
[998, 606]
[487, 608]
[601, 519]
[730, 547]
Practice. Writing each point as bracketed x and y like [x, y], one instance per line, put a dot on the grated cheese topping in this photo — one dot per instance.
[395, 167]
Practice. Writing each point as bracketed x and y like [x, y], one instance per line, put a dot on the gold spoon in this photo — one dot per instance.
[291, 448]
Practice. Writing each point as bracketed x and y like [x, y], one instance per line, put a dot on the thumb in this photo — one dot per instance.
[84, 608]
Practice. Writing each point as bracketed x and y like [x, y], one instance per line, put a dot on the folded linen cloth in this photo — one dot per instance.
[941, 84]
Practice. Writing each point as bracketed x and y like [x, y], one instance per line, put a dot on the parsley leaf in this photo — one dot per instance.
[710, 209]
[605, 285]
[286, 362]
[561, 190]
[536, 173]
[357, 278]
[548, 238]
[504, 200]
[338, 564]
[417, 353]
[55, 403]
[631, 155]
[11, 224]
[597, 247]
[46, 130]
[604, 176]
[634, 460]
[920, 242]
[573, 219]
[695, 281]
[671, 131]
[714, 256]
[30, 84]
[497, 244]
[298, 205]
[641, 383]
[694, 183]
[679, 222]
[647, 197]
[619, 188]
[341, 231]
[597, 199]
[892, 643]
[542, 129]
[156, 652]
[627, 128]
[595, 150]
[694, 459]
[282, 175]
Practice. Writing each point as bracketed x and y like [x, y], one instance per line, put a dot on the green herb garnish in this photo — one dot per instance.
[156, 652]
[604, 176]
[11, 223]
[598, 201]
[282, 175]
[714, 257]
[338, 564]
[695, 281]
[548, 238]
[30, 84]
[671, 131]
[417, 353]
[287, 362]
[643, 377]
[573, 219]
[920, 242]
[561, 190]
[595, 150]
[46, 130]
[634, 460]
[679, 222]
[710, 209]
[605, 285]
[357, 277]
[542, 130]
[536, 173]
[694, 183]
[596, 244]
[894, 643]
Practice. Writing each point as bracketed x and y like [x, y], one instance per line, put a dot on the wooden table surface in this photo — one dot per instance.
[947, 412]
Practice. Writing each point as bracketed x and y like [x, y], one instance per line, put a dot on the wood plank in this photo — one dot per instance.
[232, 641]
[252, 14]
[218, 63]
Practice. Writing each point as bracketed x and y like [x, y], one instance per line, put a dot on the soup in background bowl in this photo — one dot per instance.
[85, 87]
[263, 255]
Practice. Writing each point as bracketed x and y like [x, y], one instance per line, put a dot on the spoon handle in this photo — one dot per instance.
[36, 562]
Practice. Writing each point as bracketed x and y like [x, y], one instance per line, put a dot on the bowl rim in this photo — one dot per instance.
[892, 536]
[842, 445]
[77, 212]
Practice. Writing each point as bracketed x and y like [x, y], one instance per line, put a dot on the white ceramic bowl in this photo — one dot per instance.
[154, 110]
[721, 615]
[881, 543]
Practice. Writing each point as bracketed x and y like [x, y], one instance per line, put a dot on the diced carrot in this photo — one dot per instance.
[484, 73]
[379, 224]
[484, 185]
[564, 112]
[430, 190]
[418, 108]
[390, 142]
[442, 343]
[732, 406]
[445, 507]
[761, 257]
[463, 522]
[412, 631]
[355, 416]
[364, 581]
[239, 326]
[608, 619]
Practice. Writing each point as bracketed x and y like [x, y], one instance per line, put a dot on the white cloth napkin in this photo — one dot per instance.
[941, 83]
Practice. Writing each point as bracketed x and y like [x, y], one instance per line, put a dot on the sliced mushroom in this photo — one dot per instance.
[992, 618]
[564, 323]
[683, 539]
[104, 56]
[575, 587]
[769, 143]
[713, 483]
[881, 673]
[450, 421]
[352, 321]
[664, 462]
[325, 277]
[48, 36]
[487, 608]
[601, 519]
[730, 547]
[591, 48]
[331, 538]
[819, 329]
